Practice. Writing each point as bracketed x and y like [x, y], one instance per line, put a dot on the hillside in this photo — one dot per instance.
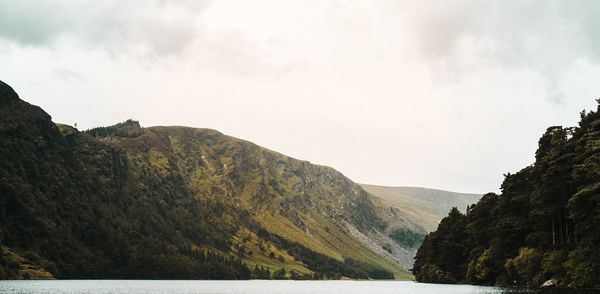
[544, 228]
[424, 207]
[178, 203]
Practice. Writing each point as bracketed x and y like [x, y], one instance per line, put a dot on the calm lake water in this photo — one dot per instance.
[246, 287]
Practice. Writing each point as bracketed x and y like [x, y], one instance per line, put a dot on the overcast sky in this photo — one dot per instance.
[441, 94]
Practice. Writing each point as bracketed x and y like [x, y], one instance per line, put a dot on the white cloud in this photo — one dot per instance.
[149, 27]
[440, 94]
[545, 36]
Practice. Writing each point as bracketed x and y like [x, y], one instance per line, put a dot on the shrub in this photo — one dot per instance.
[32, 256]
[552, 264]
[431, 273]
[13, 265]
[479, 269]
[527, 265]
[279, 275]
[580, 269]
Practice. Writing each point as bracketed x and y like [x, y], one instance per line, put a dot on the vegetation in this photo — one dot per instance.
[545, 224]
[407, 238]
[26, 266]
[128, 129]
[172, 203]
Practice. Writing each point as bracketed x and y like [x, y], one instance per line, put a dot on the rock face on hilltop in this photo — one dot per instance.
[178, 203]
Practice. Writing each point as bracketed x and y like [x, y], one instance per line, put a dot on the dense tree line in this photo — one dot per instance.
[407, 238]
[129, 129]
[545, 225]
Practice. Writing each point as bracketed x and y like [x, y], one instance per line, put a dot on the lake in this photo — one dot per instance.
[248, 287]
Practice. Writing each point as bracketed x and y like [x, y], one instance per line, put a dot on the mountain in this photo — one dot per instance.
[424, 207]
[542, 230]
[179, 203]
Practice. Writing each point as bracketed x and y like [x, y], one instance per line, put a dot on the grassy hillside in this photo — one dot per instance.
[424, 207]
[180, 203]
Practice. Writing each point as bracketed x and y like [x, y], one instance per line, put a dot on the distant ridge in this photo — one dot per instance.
[423, 206]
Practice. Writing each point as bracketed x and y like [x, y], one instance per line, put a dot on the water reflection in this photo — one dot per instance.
[253, 287]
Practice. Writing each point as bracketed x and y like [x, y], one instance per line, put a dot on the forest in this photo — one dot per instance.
[543, 228]
[129, 128]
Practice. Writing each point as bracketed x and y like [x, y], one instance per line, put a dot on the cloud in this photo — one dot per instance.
[545, 36]
[521, 30]
[150, 31]
[153, 28]
[33, 22]
[439, 94]
[68, 75]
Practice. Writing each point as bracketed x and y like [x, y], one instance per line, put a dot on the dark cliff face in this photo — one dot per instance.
[545, 225]
[7, 94]
[171, 203]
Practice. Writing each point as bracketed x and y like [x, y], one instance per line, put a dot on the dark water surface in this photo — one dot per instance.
[249, 287]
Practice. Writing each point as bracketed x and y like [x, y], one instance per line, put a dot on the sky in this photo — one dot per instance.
[439, 94]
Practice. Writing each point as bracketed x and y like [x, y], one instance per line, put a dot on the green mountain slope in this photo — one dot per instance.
[178, 203]
[544, 228]
[424, 207]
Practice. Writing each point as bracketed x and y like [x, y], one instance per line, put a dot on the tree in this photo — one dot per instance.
[280, 274]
